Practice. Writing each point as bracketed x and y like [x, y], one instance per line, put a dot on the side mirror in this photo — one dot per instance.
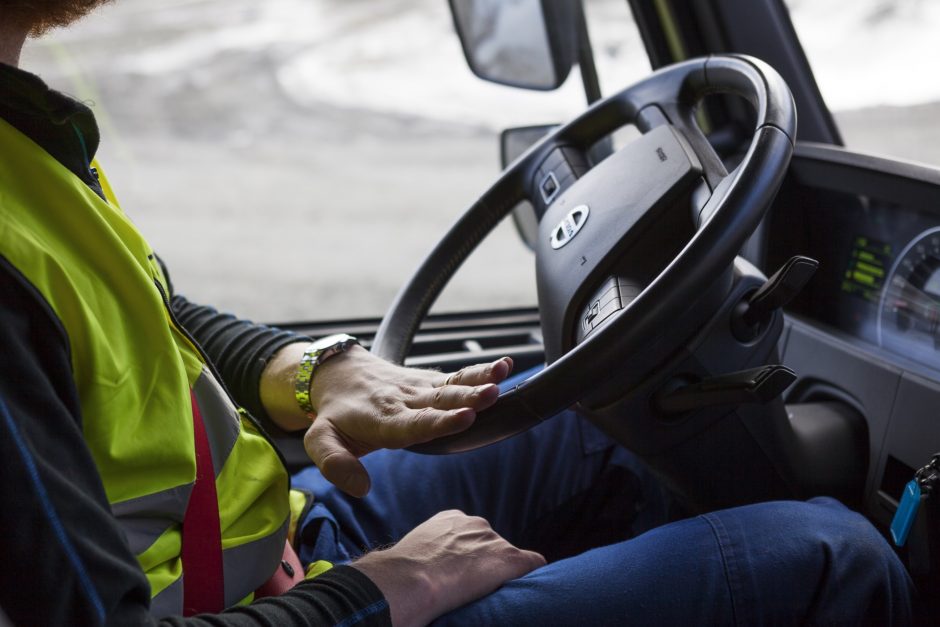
[512, 143]
[522, 43]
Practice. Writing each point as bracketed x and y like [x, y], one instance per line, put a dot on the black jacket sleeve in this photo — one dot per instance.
[239, 349]
[63, 556]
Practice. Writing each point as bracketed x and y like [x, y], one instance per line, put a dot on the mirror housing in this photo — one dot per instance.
[531, 44]
[512, 143]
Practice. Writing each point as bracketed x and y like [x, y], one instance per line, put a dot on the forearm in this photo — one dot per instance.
[277, 388]
[278, 384]
[406, 584]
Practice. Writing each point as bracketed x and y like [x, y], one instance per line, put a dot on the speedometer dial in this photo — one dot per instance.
[909, 312]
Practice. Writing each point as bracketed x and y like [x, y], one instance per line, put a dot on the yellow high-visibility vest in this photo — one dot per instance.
[137, 376]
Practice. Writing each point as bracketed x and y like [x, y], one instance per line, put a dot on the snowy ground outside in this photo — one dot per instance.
[295, 159]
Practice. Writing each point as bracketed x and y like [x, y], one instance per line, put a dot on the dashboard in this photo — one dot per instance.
[879, 251]
[865, 331]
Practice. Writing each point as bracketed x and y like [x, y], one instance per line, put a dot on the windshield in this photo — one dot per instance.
[874, 63]
[296, 159]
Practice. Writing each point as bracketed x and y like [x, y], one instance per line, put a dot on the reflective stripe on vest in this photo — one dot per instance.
[146, 518]
[134, 379]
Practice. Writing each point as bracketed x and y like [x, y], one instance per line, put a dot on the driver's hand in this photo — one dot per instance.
[444, 563]
[365, 403]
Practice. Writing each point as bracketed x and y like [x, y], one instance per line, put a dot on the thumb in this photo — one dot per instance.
[337, 464]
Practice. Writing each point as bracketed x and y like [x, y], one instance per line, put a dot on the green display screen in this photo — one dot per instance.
[867, 268]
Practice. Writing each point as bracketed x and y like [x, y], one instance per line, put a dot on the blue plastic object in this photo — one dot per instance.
[907, 512]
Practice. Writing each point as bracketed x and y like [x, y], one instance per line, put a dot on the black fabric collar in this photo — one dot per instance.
[62, 126]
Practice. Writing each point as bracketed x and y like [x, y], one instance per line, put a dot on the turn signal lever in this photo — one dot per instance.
[757, 385]
[751, 314]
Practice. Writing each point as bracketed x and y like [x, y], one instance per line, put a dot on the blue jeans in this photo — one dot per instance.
[567, 491]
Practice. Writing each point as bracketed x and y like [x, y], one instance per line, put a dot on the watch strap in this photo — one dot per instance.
[314, 355]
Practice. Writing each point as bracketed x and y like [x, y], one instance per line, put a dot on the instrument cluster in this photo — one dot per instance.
[880, 276]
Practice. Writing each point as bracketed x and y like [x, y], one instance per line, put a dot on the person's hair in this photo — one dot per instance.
[42, 15]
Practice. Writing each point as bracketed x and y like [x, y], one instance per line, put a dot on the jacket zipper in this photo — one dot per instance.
[208, 363]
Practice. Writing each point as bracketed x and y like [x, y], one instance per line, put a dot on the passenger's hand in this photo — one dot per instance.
[365, 403]
[444, 563]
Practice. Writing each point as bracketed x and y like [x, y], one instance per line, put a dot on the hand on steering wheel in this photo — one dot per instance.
[633, 254]
[365, 403]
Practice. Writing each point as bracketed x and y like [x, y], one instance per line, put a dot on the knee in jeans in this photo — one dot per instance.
[840, 560]
[837, 528]
[860, 559]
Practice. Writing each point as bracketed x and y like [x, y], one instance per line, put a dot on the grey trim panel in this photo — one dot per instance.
[913, 434]
[815, 354]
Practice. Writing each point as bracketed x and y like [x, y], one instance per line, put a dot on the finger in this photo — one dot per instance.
[480, 374]
[336, 463]
[428, 424]
[523, 563]
[533, 559]
[454, 397]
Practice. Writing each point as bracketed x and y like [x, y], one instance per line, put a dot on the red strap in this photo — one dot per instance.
[203, 579]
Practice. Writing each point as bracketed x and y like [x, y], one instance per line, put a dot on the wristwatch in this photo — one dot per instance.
[315, 354]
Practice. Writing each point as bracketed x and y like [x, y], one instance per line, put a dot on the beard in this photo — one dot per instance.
[43, 15]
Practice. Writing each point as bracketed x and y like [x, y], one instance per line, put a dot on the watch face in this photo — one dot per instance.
[317, 352]
[332, 344]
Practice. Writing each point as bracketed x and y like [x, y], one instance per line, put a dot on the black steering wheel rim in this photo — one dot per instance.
[736, 205]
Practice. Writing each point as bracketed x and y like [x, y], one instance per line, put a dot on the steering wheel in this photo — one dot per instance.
[633, 254]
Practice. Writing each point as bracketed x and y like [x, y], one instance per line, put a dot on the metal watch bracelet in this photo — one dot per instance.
[314, 355]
